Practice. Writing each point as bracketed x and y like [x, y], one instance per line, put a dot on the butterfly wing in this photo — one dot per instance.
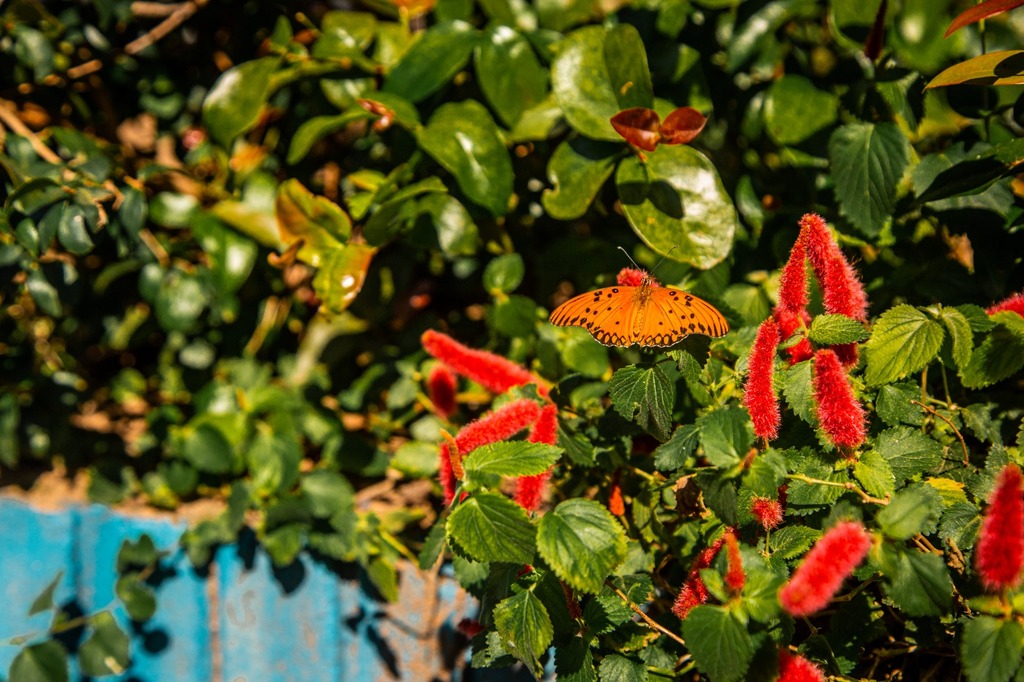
[608, 314]
[670, 315]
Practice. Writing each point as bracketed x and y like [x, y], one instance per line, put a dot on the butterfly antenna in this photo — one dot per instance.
[662, 258]
[630, 258]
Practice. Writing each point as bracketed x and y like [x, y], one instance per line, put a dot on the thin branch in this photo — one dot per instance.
[173, 21]
[837, 484]
[653, 624]
[931, 410]
[9, 118]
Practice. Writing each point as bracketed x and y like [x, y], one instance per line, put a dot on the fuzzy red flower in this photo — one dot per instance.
[793, 668]
[469, 627]
[616, 505]
[759, 395]
[1000, 552]
[789, 323]
[632, 277]
[530, 489]
[735, 578]
[1014, 304]
[793, 279]
[839, 413]
[499, 425]
[694, 591]
[823, 570]
[767, 511]
[441, 388]
[493, 372]
[572, 602]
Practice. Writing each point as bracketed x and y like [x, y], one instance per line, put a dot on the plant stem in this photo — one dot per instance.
[931, 411]
[837, 484]
[653, 624]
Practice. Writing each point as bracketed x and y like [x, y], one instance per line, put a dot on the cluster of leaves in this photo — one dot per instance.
[215, 282]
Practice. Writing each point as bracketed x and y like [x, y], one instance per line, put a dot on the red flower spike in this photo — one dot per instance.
[530, 489]
[469, 627]
[491, 371]
[767, 511]
[694, 591]
[631, 277]
[1000, 552]
[735, 578]
[823, 570]
[616, 505]
[441, 388]
[638, 126]
[793, 280]
[682, 126]
[446, 474]
[839, 413]
[759, 395]
[789, 322]
[572, 603]
[793, 668]
[1014, 304]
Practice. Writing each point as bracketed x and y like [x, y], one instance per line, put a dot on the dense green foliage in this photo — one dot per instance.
[221, 243]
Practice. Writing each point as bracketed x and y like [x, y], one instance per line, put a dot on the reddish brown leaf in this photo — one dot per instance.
[682, 126]
[639, 126]
[982, 11]
[876, 38]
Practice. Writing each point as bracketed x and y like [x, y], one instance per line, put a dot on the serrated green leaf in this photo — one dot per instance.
[798, 391]
[835, 329]
[868, 161]
[511, 458]
[790, 542]
[676, 203]
[616, 668]
[999, 356]
[645, 395]
[913, 510]
[504, 273]
[908, 452]
[893, 404]
[43, 662]
[673, 453]
[991, 648]
[577, 170]
[463, 138]
[904, 340]
[960, 332]
[438, 54]
[719, 642]
[233, 104]
[524, 628]
[918, 582]
[490, 527]
[875, 474]
[961, 523]
[105, 651]
[574, 661]
[582, 542]
[725, 435]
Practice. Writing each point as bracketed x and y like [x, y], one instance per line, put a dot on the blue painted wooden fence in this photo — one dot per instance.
[240, 621]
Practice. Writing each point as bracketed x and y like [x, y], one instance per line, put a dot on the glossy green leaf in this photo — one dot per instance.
[525, 628]
[490, 527]
[232, 256]
[582, 542]
[105, 651]
[719, 642]
[234, 102]
[951, 178]
[438, 54]
[868, 160]
[795, 110]
[341, 276]
[577, 170]
[511, 458]
[904, 340]
[180, 301]
[1001, 67]
[43, 662]
[677, 204]
[511, 76]
[319, 222]
[43, 293]
[319, 127]
[72, 232]
[645, 395]
[590, 88]
[504, 273]
[991, 648]
[463, 138]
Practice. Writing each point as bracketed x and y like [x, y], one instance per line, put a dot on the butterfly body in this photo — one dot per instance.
[647, 314]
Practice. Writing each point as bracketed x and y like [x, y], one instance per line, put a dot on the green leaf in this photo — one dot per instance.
[790, 542]
[511, 77]
[44, 601]
[234, 102]
[105, 652]
[43, 662]
[592, 83]
[830, 330]
[719, 642]
[949, 178]
[798, 389]
[524, 628]
[960, 333]
[999, 356]
[180, 301]
[43, 293]
[463, 138]
[674, 453]
[1001, 67]
[904, 340]
[438, 54]
[319, 127]
[616, 668]
[676, 203]
[868, 161]
[795, 110]
[384, 576]
[908, 451]
[284, 543]
[511, 458]
[139, 553]
[514, 316]
[318, 221]
[582, 542]
[206, 448]
[646, 395]
[577, 169]
[875, 474]
[893, 404]
[341, 276]
[918, 582]
[504, 273]
[490, 527]
[726, 435]
[138, 598]
[71, 230]
[433, 545]
[915, 509]
[991, 648]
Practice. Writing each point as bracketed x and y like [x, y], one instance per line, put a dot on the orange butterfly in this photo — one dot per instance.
[640, 311]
